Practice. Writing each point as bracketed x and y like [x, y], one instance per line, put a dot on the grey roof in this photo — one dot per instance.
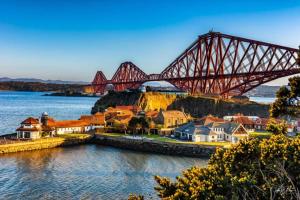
[204, 130]
[229, 127]
[192, 128]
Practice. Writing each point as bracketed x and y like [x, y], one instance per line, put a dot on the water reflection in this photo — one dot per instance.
[85, 172]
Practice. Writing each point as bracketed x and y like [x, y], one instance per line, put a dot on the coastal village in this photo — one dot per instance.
[132, 120]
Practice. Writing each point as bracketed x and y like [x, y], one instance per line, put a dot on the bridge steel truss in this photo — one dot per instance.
[216, 64]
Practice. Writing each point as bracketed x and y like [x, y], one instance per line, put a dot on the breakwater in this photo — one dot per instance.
[135, 144]
[146, 145]
[43, 144]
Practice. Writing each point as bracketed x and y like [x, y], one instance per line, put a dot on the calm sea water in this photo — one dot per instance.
[79, 172]
[85, 172]
[16, 106]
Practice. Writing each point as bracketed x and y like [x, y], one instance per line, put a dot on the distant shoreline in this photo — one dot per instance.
[63, 94]
[39, 87]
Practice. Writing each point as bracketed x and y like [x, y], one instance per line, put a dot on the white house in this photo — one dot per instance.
[213, 132]
[30, 128]
[34, 128]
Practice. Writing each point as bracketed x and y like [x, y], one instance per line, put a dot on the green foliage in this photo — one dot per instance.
[276, 128]
[286, 103]
[251, 169]
[294, 84]
[140, 123]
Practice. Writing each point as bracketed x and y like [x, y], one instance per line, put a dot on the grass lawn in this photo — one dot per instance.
[74, 135]
[262, 134]
[167, 139]
[112, 134]
[162, 139]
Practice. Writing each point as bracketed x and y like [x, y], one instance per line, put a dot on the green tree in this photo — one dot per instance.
[133, 124]
[286, 103]
[251, 169]
[138, 123]
[294, 84]
[276, 128]
[144, 124]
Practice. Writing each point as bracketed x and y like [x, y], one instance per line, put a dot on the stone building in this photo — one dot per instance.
[171, 118]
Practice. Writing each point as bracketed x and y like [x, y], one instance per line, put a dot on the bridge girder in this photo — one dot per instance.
[215, 64]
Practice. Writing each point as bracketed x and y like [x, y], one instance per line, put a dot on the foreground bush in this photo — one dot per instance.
[251, 169]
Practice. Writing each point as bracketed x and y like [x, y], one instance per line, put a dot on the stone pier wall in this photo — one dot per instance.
[146, 145]
[42, 144]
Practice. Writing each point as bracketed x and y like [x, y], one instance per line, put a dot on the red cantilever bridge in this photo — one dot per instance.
[215, 63]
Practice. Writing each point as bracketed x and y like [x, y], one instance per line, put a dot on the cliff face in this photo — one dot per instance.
[155, 101]
[196, 106]
[115, 99]
[201, 106]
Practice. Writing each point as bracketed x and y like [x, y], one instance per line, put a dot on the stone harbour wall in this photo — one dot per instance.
[141, 145]
[42, 144]
[145, 145]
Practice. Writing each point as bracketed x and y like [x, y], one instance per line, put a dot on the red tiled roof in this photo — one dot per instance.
[97, 118]
[209, 119]
[70, 123]
[124, 119]
[243, 120]
[30, 120]
[131, 107]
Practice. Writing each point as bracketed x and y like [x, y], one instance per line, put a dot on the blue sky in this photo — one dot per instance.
[71, 40]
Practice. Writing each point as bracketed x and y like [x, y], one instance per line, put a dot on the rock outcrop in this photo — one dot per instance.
[195, 106]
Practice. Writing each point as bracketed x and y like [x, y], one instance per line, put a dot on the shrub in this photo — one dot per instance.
[251, 169]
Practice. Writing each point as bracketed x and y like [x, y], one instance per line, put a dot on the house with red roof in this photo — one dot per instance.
[30, 128]
[33, 128]
[247, 121]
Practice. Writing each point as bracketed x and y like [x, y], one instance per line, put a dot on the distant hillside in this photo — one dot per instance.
[40, 87]
[263, 91]
[6, 79]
